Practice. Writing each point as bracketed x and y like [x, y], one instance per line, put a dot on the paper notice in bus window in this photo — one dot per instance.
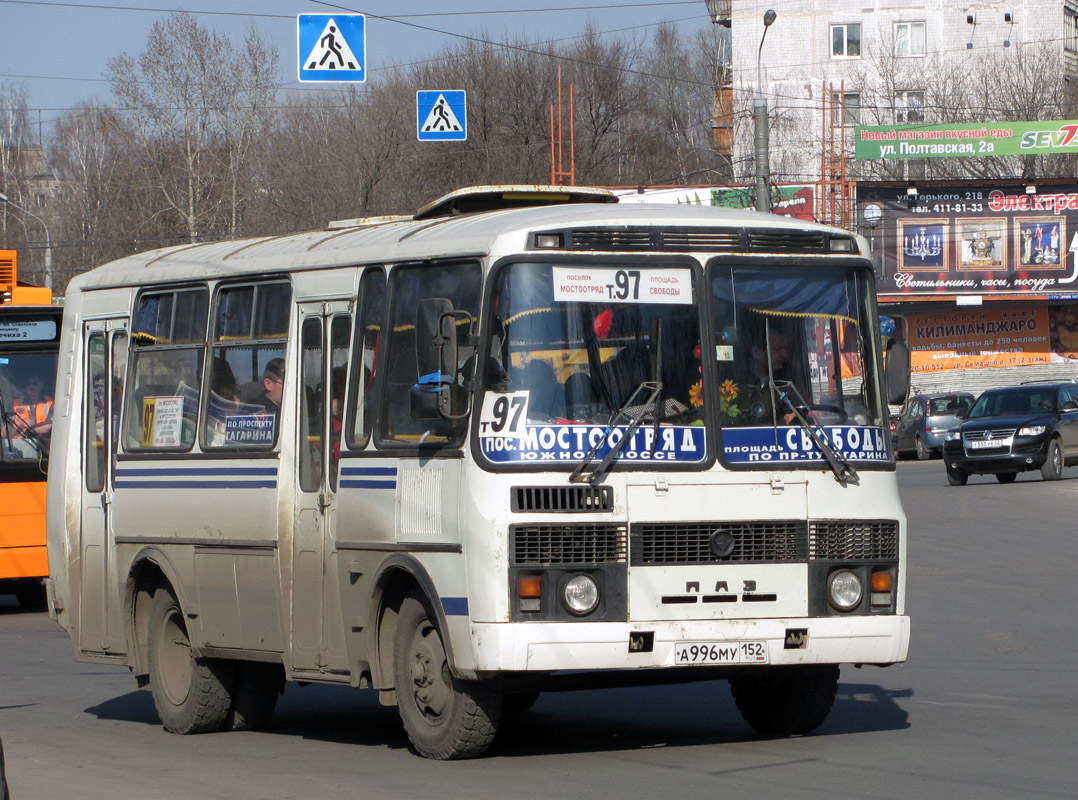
[250, 429]
[606, 285]
[504, 414]
[162, 421]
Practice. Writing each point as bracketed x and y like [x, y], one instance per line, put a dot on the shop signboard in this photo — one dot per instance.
[972, 239]
[982, 140]
[992, 337]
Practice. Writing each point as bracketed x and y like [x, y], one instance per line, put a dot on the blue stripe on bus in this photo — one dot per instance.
[368, 484]
[197, 478]
[119, 484]
[455, 606]
[195, 471]
[369, 471]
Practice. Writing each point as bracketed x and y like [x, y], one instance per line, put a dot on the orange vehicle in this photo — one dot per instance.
[29, 339]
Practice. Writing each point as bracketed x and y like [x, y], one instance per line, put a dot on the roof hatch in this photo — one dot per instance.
[475, 199]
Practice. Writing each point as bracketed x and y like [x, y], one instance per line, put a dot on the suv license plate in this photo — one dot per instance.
[985, 444]
[694, 653]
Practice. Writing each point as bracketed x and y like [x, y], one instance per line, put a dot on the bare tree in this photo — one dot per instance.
[194, 102]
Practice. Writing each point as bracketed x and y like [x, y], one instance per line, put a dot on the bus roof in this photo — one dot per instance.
[503, 231]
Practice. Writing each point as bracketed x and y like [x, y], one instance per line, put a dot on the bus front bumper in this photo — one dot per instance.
[555, 646]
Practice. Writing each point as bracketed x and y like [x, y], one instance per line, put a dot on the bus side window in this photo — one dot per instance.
[247, 346]
[368, 335]
[458, 283]
[168, 341]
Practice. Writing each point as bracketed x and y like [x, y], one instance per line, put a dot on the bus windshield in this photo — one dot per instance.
[26, 398]
[795, 344]
[570, 347]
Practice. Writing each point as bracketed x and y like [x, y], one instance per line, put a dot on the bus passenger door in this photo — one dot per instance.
[100, 625]
[317, 627]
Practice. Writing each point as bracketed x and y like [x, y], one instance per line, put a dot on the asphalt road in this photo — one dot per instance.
[986, 707]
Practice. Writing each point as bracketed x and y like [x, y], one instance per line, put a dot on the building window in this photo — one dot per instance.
[910, 107]
[846, 40]
[846, 107]
[909, 39]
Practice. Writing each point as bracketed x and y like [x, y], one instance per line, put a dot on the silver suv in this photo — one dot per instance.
[925, 419]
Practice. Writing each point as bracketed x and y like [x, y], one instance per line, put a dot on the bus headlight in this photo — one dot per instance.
[844, 590]
[581, 594]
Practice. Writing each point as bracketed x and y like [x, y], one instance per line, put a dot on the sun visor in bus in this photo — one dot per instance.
[477, 199]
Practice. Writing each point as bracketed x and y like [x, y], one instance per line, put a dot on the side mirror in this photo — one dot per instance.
[1068, 406]
[961, 413]
[436, 394]
[896, 371]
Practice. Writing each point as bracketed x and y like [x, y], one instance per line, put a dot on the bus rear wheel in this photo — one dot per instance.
[254, 695]
[191, 694]
[445, 717]
[786, 701]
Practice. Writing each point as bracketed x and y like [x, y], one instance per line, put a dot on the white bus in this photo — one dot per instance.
[526, 440]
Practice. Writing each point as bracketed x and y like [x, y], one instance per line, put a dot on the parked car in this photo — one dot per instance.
[1015, 429]
[926, 418]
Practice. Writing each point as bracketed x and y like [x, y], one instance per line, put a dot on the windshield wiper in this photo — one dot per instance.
[843, 469]
[577, 476]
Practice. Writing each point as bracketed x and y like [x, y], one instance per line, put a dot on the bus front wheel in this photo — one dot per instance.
[786, 701]
[191, 694]
[445, 717]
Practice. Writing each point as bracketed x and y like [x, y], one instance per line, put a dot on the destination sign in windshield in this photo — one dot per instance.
[27, 330]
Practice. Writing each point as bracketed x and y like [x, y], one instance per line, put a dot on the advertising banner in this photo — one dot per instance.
[988, 337]
[972, 239]
[788, 200]
[971, 141]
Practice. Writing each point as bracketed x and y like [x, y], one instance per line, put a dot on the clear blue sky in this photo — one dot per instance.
[59, 50]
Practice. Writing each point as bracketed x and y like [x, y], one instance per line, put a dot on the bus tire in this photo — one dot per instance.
[254, 695]
[191, 694]
[30, 593]
[445, 717]
[786, 701]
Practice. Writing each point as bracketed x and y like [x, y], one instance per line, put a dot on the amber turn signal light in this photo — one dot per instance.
[529, 587]
[881, 581]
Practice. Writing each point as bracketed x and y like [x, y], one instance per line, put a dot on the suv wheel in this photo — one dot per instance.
[1053, 467]
[1006, 477]
[957, 477]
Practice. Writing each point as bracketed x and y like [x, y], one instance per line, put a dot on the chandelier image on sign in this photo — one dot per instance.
[922, 245]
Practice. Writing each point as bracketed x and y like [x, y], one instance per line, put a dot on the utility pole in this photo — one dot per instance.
[48, 240]
[759, 116]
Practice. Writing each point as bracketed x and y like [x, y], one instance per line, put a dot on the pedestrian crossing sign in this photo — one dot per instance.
[332, 48]
[441, 116]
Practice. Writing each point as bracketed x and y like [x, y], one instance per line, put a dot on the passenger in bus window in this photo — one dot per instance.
[272, 388]
[33, 410]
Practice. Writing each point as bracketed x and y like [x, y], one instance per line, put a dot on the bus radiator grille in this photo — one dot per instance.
[853, 540]
[562, 499]
[560, 545]
[727, 542]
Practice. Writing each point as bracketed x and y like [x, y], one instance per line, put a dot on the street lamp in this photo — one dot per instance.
[48, 240]
[759, 115]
